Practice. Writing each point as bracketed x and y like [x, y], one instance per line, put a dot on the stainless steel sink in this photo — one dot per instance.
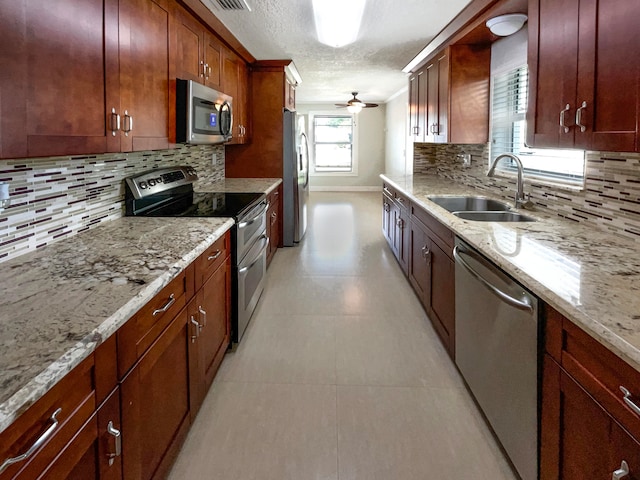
[469, 204]
[494, 216]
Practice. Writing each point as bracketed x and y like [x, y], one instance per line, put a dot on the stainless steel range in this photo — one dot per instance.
[168, 192]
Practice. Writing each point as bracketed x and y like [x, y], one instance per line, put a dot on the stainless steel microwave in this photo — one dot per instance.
[203, 115]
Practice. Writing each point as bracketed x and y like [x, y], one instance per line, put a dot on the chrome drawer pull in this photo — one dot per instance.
[127, 124]
[215, 255]
[172, 300]
[204, 315]
[565, 129]
[115, 122]
[627, 399]
[36, 445]
[425, 252]
[622, 472]
[111, 430]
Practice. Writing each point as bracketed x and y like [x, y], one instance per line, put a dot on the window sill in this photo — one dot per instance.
[333, 174]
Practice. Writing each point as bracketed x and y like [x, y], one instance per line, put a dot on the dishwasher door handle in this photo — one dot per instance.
[514, 302]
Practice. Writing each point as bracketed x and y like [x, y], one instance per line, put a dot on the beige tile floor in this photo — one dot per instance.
[339, 374]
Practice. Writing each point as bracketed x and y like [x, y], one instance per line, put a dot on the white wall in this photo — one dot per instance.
[370, 124]
[398, 145]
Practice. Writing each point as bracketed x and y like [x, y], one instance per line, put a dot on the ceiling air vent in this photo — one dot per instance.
[232, 5]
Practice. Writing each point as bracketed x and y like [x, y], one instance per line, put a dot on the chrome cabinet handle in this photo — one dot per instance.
[426, 253]
[115, 122]
[127, 124]
[416, 130]
[215, 255]
[387, 207]
[622, 472]
[562, 114]
[111, 430]
[388, 191]
[206, 70]
[583, 128]
[171, 301]
[197, 327]
[514, 302]
[203, 312]
[627, 399]
[202, 65]
[36, 445]
[400, 223]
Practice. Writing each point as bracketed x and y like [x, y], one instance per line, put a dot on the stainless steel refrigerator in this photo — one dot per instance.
[295, 179]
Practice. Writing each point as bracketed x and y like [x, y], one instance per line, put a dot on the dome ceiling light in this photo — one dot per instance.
[506, 25]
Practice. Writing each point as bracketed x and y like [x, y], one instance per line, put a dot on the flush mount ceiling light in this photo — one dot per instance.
[506, 25]
[355, 105]
[337, 21]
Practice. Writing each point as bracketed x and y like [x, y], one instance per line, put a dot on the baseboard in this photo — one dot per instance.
[345, 189]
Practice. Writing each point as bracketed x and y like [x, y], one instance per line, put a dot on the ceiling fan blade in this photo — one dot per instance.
[341, 105]
[370, 105]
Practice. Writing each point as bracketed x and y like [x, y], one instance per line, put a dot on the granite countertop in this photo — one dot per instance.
[60, 302]
[241, 185]
[590, 276]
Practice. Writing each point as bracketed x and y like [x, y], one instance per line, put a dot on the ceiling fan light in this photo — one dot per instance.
[337, 21]
[354, 108]
[505, 25]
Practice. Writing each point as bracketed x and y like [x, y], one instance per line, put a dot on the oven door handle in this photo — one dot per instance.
[257, 258]
[254, 219]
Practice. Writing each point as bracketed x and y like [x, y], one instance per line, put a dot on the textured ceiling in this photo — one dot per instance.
[391, 34]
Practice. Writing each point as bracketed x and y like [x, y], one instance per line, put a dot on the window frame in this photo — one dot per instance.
[508, 168]
[312, 147]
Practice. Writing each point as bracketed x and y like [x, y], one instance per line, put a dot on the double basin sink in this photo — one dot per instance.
[479, 209]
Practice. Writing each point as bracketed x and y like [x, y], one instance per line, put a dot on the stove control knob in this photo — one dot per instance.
[159, 180]
[152, 182]
[143, 185]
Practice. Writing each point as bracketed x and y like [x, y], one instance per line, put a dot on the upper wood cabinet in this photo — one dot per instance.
[91, 86]
[449, 96]
[584, 83]
[196, 54]
[235, 78]
[59, 77]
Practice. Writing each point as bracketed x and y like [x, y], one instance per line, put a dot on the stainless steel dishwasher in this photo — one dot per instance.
[497, 353]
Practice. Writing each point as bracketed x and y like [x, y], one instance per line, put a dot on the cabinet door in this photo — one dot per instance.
[212, 61]
[579, 439]
[420, 262]
[386, 219]
[442, 295]
[400, 245]
[553, 53]
[431, 73]
[144, 74]
[608, 75]
[441, 128]
[209, 326]
[416, 113]
[155, 404]
[242, 103]
[187, 46]
[59, 77]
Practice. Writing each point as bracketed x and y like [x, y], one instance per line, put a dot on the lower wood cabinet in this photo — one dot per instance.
[587, 427]
[273, 224]
[424, 249]
[395, 224]
[431, 272]
[155, 404]
[210, 333]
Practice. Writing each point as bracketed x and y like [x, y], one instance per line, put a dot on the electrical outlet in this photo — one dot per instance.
[214, 159]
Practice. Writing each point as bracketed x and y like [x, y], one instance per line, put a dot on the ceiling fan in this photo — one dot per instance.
[355, 105]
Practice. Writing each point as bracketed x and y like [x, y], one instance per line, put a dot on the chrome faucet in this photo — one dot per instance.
[521, 200]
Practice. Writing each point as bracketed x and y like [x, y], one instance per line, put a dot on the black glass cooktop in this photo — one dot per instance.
[194, 204]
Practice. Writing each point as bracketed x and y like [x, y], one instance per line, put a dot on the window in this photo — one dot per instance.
[333, 143]
[508, 133]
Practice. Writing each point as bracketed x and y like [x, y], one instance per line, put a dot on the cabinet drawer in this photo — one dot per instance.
[212, 258]
[443, 236]
[135, 336]
[73, 398]
[599, 371]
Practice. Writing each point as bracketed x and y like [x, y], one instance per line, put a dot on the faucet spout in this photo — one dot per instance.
[520, 199]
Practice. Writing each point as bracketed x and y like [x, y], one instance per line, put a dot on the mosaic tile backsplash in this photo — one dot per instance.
[54, 198]
[609, 200]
